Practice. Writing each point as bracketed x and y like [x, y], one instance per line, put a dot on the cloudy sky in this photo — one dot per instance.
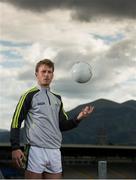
[100, 32]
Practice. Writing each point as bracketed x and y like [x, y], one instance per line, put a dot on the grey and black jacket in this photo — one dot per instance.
[44, 119]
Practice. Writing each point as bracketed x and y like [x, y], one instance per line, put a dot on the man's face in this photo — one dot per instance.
[44, 75]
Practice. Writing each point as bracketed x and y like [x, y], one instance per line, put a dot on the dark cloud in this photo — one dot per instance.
[71, 89]
[83, 10]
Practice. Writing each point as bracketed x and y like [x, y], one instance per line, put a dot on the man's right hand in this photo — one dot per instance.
[17, 157]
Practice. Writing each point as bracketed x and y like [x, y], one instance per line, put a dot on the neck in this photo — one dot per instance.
[43, 86]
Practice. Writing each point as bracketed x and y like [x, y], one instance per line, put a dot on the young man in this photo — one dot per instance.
[44, 119]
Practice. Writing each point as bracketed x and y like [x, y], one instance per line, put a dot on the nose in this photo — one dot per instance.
[46, 73]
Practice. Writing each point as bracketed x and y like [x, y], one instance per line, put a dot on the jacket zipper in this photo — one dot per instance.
[48, 97]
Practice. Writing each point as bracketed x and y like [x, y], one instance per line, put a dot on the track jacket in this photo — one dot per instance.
[44, 119]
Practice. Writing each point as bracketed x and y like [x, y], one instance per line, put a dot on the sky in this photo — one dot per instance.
[99, 32]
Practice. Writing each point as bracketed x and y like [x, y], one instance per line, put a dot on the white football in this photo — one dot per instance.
[81, 72]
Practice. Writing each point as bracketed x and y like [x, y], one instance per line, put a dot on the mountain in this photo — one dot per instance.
[130, 103]
[5, 136]
[111, 123]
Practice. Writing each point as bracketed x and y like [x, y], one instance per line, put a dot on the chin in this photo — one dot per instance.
[45, 84]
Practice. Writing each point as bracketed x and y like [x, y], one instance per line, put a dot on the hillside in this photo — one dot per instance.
[111, 123]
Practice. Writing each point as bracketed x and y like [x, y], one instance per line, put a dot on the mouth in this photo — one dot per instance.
[46, 80]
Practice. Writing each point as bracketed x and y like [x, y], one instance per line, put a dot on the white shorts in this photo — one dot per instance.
[44, 160]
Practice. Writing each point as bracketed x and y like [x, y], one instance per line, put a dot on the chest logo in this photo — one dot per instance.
[40, 103]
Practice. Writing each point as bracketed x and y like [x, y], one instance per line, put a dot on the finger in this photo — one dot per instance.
[91, 109]
[85, 114]
[20, 162]
[17, 163]
[86, 108]
[22, 156]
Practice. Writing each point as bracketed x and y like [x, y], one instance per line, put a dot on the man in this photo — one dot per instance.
[44, 119]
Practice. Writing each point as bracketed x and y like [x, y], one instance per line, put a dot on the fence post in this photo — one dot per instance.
[1, 175]
[102, 169]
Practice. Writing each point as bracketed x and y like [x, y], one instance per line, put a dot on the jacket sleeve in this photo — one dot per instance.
[64, 122]
[18, 117]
